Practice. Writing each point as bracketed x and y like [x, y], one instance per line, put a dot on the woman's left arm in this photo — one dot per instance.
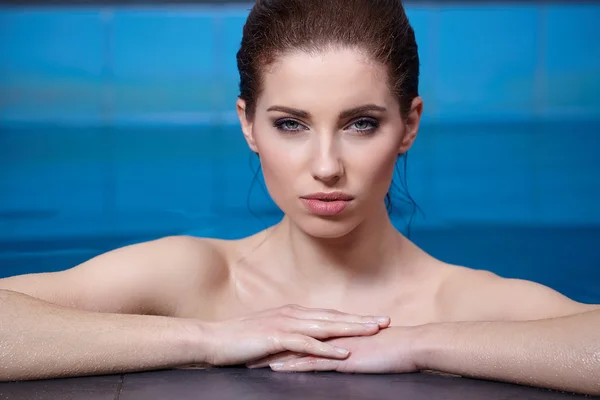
[557, 353]
[535, 336]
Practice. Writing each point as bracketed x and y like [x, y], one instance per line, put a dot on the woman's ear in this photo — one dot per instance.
[246, 124]
[412, 122]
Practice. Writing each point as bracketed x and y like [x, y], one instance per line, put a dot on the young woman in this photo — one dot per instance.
[329, 101]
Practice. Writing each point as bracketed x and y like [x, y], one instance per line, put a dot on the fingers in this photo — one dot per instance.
[310, 346]
[281, 357]
[334, 315]
[326, 329]
[306, 364]
[306, 332]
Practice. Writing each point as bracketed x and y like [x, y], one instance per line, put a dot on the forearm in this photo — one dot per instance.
[561, 353]
[40, 340]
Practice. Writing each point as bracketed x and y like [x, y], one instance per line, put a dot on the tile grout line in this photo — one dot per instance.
[120, 387]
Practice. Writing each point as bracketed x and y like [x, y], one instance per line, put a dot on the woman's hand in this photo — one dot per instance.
[289, 328]
[391, 350]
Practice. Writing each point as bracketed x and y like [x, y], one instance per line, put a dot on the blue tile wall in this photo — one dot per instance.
[51, 64]
[162, 62]
[571, 57]
[488, 61]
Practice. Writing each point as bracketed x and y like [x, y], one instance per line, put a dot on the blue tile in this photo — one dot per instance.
[162, 44]
[52, 65]
[482, 173]
[47, 170]
[168, 169]
[572, 60]
[568, 172]
[487, 61]
[163, 62]
[44, 41]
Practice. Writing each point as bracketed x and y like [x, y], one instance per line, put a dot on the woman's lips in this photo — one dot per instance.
[327, 204]
[326, 208]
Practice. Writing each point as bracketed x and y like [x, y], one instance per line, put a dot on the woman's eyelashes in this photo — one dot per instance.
[289, 125]
[365, 125]
[361, 126]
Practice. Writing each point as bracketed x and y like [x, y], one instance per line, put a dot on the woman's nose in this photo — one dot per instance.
[326, 165]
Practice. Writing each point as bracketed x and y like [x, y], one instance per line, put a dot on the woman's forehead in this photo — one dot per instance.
[336, 77]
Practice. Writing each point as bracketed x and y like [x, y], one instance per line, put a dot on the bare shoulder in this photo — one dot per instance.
[467, 295]
[177, 259]
[202, 257]
[152, 277]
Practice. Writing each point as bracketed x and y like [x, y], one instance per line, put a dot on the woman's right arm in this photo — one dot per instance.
[117, 313]
[109, 314]
[41, 340]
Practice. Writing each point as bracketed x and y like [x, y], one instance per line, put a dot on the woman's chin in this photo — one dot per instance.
[326, 228]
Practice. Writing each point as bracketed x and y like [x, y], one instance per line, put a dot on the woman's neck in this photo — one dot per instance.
[372, 252]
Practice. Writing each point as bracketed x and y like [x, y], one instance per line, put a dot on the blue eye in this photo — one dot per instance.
[289, 125]
[361, 125]
[365, 125]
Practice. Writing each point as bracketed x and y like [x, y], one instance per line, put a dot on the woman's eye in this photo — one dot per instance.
[291, 125]
[288, 125]
[365, 125]
[362, 125]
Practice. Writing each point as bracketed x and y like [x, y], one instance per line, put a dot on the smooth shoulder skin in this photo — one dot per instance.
[154, 278]
[468, 295]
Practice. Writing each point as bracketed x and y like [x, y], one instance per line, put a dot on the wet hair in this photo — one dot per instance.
[378, 28]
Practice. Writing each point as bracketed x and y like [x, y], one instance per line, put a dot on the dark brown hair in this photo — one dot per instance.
[380, 28]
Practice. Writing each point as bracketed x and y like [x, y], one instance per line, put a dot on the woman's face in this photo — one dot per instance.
[328, 131]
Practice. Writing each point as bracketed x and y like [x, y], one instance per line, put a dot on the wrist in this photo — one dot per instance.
[194, 341]
[426, 346]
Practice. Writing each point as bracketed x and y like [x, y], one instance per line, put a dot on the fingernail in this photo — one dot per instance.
[276, 365]
[343, 352]
[371, 325]
[382, 320]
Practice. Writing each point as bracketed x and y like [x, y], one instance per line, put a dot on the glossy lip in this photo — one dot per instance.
[331, 196]
[327, 204]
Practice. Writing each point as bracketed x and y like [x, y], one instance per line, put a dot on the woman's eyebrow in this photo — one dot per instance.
[292, 111]
[361, 110]
[343, 115]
